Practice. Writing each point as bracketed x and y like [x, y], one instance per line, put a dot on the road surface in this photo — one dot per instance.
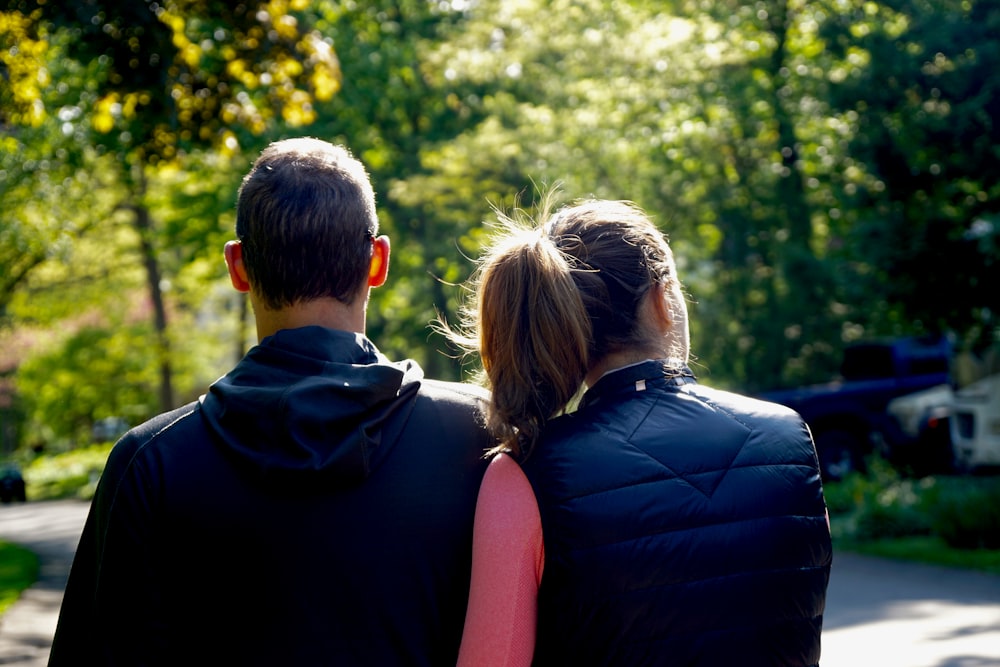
[50, 529]
[879, 613]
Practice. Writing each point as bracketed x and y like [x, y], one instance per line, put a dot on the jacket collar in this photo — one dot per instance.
[636, 377]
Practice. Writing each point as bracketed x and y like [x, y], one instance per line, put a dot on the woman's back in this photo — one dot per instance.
[682, 526]
[679, 525]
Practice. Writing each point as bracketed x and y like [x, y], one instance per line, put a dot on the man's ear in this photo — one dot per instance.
[237, 271]
[379, 267]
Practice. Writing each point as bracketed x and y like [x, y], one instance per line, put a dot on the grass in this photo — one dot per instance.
[18, 570]
[932, 550]
[72, 474]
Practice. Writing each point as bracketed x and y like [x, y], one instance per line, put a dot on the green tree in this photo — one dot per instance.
[394, 107]
[695, 114]
[764, 171]
[90, 376]
[727, 120]
[43, 195]
[926, 98]
[165, 80]
[825, 170]
[542, 110]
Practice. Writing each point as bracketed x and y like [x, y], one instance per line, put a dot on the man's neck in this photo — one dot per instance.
[324, 312]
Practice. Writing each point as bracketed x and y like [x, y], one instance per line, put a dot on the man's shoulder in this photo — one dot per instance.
[455, 406]
[154, 429]
[143, 446]
[462, 392]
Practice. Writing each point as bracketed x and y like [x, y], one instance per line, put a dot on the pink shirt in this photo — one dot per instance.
[507, 562]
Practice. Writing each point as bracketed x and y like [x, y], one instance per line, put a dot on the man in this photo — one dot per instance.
[316, 506]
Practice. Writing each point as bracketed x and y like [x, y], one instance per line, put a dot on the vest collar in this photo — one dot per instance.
[635, 377]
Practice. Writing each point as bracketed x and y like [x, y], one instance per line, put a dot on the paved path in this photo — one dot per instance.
[894, 614]
[52, 530]
[879, 613]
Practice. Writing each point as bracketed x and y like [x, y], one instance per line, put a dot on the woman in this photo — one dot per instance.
[661, 521]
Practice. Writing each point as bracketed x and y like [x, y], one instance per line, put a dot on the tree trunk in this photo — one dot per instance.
[144, 227]
[791, 187]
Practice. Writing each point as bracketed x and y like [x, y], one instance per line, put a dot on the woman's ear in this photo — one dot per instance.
[237, 270]
[379, 268]
[662, 306]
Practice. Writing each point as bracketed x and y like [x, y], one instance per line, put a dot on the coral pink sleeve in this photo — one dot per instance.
[507, 562]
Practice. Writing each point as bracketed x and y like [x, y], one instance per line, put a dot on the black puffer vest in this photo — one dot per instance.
[682, 526]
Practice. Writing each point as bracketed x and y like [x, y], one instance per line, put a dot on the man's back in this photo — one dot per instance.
[315, 508]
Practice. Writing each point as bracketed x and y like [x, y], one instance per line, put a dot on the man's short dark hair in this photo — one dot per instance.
[306, 219]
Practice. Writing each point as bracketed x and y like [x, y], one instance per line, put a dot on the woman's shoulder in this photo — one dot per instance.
[504, 474]
[744, 405]
[506, 508]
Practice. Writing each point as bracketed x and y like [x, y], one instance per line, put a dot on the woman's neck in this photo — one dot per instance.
[617, 360]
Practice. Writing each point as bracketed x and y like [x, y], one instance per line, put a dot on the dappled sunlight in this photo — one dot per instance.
[884, 612]
[919, 633]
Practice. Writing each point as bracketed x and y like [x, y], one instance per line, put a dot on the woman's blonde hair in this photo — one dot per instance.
[550, 300]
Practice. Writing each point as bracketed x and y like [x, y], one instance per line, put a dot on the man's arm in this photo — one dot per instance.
[106, 597]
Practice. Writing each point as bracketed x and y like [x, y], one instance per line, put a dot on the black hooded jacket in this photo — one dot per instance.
[314, 508]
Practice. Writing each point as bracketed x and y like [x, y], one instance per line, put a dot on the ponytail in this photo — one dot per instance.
[534, 336]
[554, 300]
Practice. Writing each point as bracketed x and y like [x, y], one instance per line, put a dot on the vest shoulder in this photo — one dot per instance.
[745, 407]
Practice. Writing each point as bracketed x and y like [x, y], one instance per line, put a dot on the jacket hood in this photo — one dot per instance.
[312, 403]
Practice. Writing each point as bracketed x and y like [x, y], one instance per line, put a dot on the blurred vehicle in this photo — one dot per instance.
[975, 425]
[108, 429]
[925, 418]
[848, 416]
[12, 486]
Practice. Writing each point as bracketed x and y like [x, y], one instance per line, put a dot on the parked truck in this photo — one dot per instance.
[969, 407]
[975, 425]
[848, 416]
[975, 409]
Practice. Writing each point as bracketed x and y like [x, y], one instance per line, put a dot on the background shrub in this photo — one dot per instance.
[965, 512]
[962, 511]
[72, 474]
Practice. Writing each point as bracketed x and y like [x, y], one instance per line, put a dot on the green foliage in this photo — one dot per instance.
[688, 116]
[932, 549]
[894, 512]
[393, 106]
[825, 171]
[100, 367]
[966, 513]
[195, 205]
[18, 570]
[938, 517]
[71, 474]
[93, 374]
[879, 504]
[50, 200]
[925, 105]
[174, 76]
